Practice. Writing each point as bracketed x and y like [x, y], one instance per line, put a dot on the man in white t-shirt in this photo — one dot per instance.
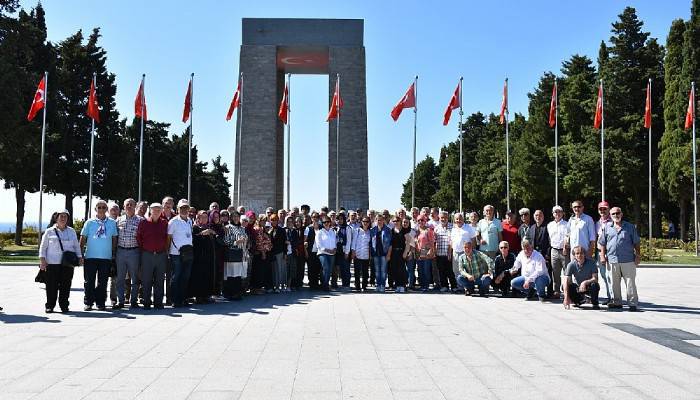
[459, 234]
[181, 252]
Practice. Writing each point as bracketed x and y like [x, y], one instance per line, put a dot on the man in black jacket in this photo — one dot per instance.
[539, 237]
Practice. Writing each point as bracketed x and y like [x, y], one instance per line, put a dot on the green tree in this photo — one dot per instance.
[425, 186]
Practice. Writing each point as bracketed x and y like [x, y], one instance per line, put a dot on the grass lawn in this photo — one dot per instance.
[14, 253]
[678, 256]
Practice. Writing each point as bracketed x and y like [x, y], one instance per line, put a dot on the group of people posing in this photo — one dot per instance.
[166, 254]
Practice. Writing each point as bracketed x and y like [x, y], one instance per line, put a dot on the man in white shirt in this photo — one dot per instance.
[558, 254]
[533, 272]
[181, 254]
[459, 234]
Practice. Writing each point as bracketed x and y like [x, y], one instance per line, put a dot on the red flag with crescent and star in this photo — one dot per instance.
[598, 108]
[140, 104]
[690, 114]
[284, 105]
[553, 107]
[235, 102]
[455, 102]
[647, 108]
[93, 111]
[188, 103]
[407, 101]
[336, 103]
[39, 100]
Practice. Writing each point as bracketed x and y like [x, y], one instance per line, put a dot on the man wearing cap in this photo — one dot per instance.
[152, 237]
[603, 268]
[128, 256]
[525, 223]
[97, 241]
[581, 230]
[181, 256]
[558, 230]
[619, 246]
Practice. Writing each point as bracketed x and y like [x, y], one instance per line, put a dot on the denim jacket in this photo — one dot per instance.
[386, 241]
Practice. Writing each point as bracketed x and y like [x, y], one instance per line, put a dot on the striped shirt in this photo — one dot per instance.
[442, 239]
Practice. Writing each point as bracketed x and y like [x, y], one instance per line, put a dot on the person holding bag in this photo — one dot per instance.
[59, 252]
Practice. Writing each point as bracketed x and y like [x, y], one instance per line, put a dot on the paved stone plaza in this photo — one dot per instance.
[308, 345]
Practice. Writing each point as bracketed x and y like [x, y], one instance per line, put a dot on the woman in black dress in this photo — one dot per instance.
[201, 285]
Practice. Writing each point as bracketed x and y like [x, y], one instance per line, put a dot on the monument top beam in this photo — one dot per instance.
[303, 32]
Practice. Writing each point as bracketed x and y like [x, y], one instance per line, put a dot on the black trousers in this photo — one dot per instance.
[361, 271]
[397, 268]
[446, 273]
[314, 264]
[504, 286]
[58, 280]
[96, 269]
[298, 279]
[232, 287]
[577, 297]
[261, 273]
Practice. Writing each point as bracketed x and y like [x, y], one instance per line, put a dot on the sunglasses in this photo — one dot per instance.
[502, 247]
[101, 208]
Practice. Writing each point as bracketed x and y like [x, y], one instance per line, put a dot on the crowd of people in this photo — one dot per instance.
[167, 254]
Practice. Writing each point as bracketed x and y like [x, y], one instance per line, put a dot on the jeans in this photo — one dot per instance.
[380, 270]
[96, 268]
[483, 282]
[327, 262]
[153, 267]
[577, 297]
[181, 277]
[128, 260]
[58, 280]
[344, 267]
[425, 270]
[605, 273]
[361, 273]
[540, 283]
[411, 272]
[279, 270]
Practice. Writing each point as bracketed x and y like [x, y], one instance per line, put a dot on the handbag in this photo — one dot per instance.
[233, 254]
[68, 258]
[40, 276]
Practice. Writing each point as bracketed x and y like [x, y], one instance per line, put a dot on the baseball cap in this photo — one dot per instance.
[603, 204]
[557, 208]
[183, 202]
[155, 205]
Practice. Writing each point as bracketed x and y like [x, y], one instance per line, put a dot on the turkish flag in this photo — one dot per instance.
[553, 107]
[504, 102]
[455, 102]
[188, 103]
[284, 105]
[93, 110]
[235, 102]
[647, 108]
[407, 101]
[599, 108]
[690, 114]
[140, 104]
[39, 100]
[336, 103]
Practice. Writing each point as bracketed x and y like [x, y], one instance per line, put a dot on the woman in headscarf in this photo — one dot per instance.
[235, 269]
[216, 226]
[201, 285]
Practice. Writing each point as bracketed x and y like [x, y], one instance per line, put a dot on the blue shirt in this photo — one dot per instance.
[619, 245]
[581, 231]
[99, 234]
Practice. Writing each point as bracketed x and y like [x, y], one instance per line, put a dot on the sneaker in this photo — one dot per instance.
[88, 308]
[444, 289]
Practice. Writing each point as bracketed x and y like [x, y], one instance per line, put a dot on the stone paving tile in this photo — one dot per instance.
[306, 345]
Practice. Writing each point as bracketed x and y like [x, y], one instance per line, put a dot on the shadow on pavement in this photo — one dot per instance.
[24, 319]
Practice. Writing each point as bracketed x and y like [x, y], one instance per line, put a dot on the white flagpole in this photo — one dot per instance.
[337, 146]
[461, 175]
[289, 141]
[189, 141]
[92, 150]
[602, 142]
[415, 125]
[695, 176]
[143, 86]
[650, 204]
[43, 147]
[240, 139]
[556, 143]
[507, 153]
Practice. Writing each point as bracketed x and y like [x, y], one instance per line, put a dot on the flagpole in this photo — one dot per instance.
[695, 176]
[602, 142]
[189, 141]
[143, 102]
[92, 151]
[240, 140]
[650, 204]
[43, 147]
[415, 125]
[337, 147]
[556, 143]
[507, 154]
[461, 175]
[289, 142]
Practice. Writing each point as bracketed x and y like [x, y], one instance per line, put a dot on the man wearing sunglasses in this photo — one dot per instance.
[99, 236]
[619, 246]
[581, 231]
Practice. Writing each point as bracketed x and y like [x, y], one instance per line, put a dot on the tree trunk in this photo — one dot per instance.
[683, 219]
[20, 201]
[69, 207]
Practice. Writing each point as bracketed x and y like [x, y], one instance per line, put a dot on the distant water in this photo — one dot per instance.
[10, 226]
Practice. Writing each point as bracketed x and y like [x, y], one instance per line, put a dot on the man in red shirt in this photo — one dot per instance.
[510, 232]
[152, 238]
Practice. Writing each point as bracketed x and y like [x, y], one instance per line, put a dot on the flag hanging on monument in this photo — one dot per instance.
[93, 110]
[284, 105]
[235, 102]
[504, 102]
[453, 104]
[690, 114]
[140, 104]
[599, 108]
[553, 107]
[407, 101]
[39, 100]
[188, 103]
[336, 103]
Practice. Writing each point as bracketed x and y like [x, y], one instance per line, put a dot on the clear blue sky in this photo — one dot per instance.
[439, 41]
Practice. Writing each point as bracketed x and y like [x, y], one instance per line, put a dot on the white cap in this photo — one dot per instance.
[155, 205]
[557, 208]
[183, 202]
